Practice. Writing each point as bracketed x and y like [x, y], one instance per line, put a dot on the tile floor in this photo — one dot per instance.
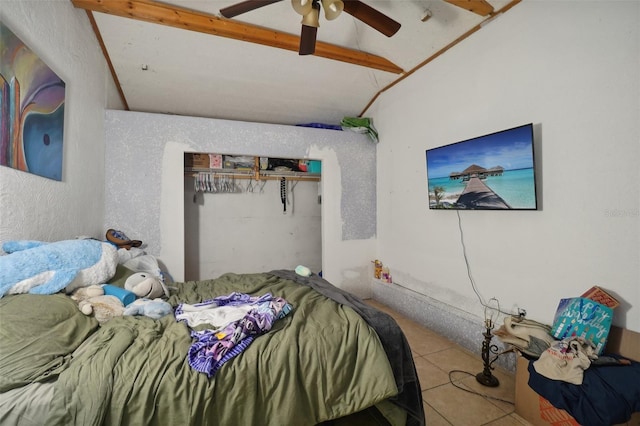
[437, 360]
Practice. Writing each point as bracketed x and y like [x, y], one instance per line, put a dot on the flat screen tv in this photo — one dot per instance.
[490, 172]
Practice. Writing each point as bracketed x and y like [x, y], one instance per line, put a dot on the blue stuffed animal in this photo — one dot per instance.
[46, 268]
[156, 308]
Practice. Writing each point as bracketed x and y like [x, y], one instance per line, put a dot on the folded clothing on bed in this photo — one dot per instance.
[608, 395]
[235, 321]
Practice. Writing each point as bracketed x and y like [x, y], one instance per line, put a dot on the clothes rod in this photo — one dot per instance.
[263, 175]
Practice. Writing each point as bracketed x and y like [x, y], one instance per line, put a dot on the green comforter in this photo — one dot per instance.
[320, 362]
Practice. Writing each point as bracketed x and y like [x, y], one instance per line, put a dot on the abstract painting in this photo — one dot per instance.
[32, 110]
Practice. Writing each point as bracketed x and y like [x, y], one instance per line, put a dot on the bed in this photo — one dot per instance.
[331, 356]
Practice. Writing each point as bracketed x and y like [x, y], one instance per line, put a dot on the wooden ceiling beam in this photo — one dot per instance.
[112, 70]
[480, 7]
[175, 16]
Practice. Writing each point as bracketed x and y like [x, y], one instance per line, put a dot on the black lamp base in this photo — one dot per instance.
[485, 377]
[487, 380]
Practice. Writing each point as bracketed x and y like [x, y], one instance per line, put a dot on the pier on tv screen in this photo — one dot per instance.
[490, 172]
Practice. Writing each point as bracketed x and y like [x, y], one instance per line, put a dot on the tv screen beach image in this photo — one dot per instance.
[491, 172]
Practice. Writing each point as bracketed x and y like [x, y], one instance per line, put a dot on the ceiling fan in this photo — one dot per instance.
[310, 11]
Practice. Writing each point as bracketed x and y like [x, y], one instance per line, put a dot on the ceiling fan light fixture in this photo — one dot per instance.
[302, 7]
[312, 19]
[332, 8]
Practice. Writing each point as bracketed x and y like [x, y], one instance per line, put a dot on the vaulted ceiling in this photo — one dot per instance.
[183, 57]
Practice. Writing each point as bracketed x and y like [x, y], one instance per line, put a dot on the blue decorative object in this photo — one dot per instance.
[125, 296]
[321, 126]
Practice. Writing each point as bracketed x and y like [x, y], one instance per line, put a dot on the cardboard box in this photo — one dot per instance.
[198, 161]
[597, 294]
[540, 412]
[533, 407]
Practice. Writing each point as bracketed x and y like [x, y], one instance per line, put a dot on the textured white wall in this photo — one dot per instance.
[572, 69]
[33, 207]
[145, 183]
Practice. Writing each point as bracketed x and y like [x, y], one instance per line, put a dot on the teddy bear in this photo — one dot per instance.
[92, 300]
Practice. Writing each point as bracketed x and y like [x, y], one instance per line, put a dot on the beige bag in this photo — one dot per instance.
[529, 337]
[566, 360]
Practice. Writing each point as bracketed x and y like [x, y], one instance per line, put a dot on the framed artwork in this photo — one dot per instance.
[32, 110]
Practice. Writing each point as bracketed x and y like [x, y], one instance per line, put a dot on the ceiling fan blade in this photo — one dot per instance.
[307, 40]
[371, 17]
[244, 7]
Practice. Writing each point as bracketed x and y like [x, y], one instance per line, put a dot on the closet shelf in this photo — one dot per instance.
[256, 175]
[252, 167]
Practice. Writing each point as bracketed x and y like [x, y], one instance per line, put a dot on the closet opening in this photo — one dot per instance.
[245, 213]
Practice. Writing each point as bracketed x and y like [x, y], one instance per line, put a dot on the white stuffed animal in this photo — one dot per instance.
[145, 285]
